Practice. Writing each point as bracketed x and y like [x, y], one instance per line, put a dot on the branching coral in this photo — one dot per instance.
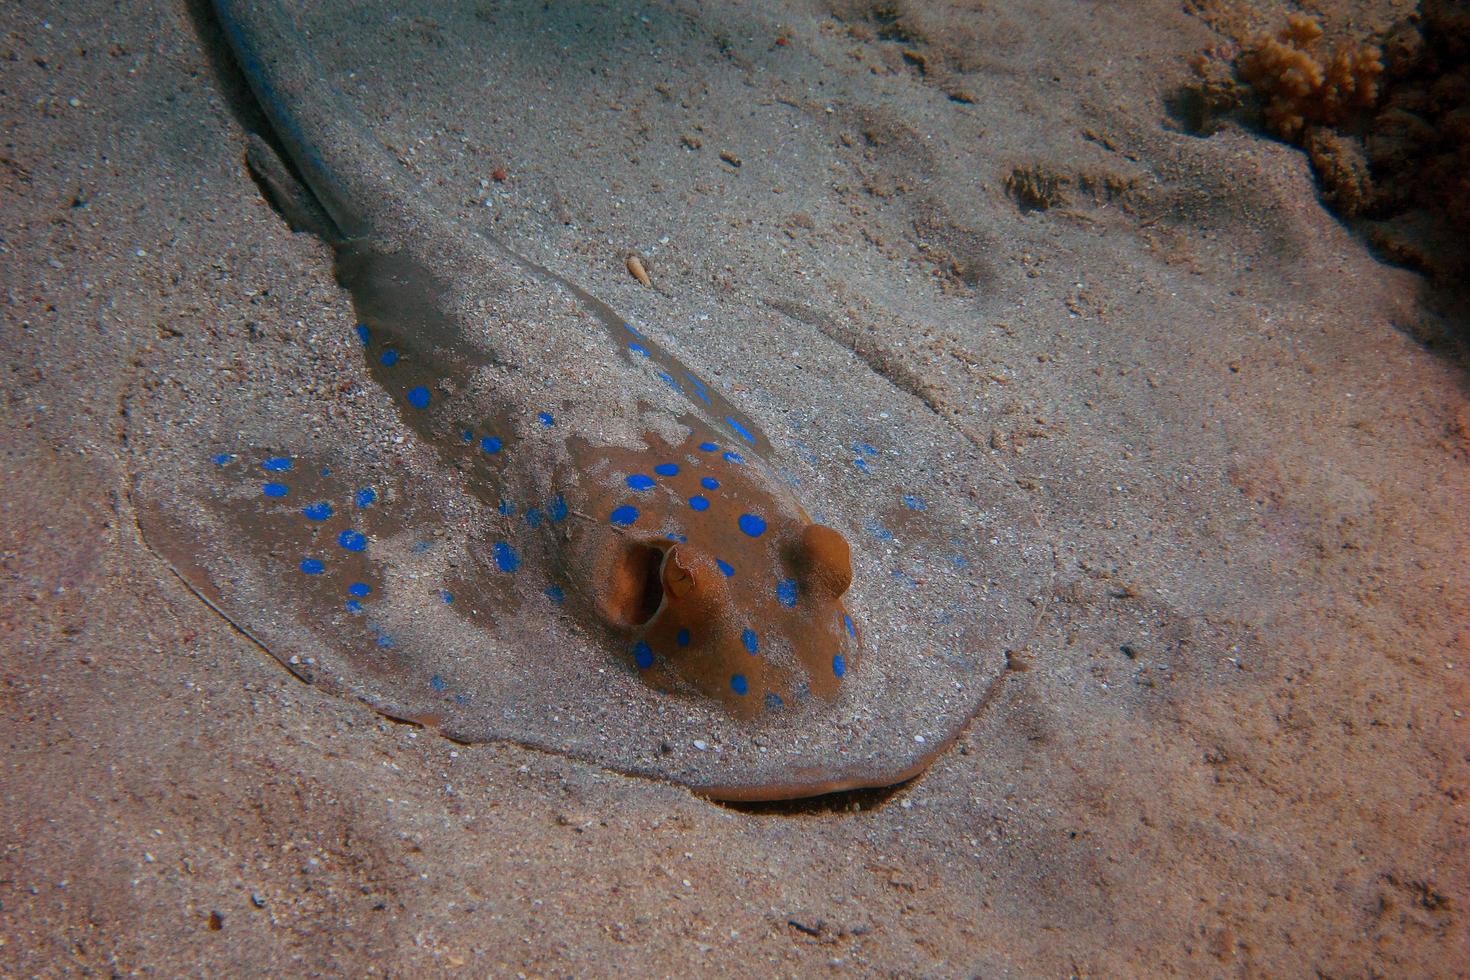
[1301, 86]
[1386, 124]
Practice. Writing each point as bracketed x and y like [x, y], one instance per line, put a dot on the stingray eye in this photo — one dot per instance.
[679, 578]
[633, 590]
[825, 560]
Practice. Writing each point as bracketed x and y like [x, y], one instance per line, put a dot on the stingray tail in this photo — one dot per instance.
[325, 137]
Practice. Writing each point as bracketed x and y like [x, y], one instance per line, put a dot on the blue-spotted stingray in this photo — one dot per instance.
[536, 523]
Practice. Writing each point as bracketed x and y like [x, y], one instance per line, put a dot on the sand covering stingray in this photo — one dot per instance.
[541, 526]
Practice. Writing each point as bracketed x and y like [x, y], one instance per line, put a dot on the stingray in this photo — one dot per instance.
[492, 506]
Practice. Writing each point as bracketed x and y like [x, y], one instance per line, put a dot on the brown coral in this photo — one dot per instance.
[1342, 168]
[1302, 88]
[1418, 146]
[1386, 126]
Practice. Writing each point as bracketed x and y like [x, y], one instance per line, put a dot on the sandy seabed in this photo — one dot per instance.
[1235, 744]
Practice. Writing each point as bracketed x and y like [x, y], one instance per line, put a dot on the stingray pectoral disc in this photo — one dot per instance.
[383, 571]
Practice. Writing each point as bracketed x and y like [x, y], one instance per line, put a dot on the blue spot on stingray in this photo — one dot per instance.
[847, 622]
[632, 329]
[709, 447]
[506, 558]
[666, 469]
[546, 419]
[864, 448]
[490, 444]
[914, 503]
[905, 578]
[752, 525]
[624, 515]
[324, 471]
[638, 349]
[786, 592]
[419, 547]
[678, 538]
[640, 482]
[878, 531]
[362, 333]
[437, 683]
[555, 594]
[710, 483]
[275, 489]
[861, 464]
[276, 464]
[317, 512]
[365, 496]
[418, 397]
[738, 684]
[384, 639]
[359, 589]
[642, 655]
[733, 457]
[740, 430]
[446, 596]
[389, 358]
[312, 566]
[220, 459]
[353, 606]
[960, 561]
[725, 567]
[352, 540]
[751, 642]
[533, 517]
[467, 436]
[683, 638]
[506, 508]
[699, 503]
[839, 665]
[773, 701]
[557, 509]
[668, 379]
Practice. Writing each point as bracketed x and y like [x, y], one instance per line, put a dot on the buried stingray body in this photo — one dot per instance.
[578, 543]
[704, 568]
